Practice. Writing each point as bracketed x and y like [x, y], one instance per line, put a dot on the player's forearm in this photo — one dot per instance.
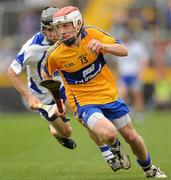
[115, 49]
[18, 83]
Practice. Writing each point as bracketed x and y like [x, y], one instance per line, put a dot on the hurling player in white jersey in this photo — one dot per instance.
[29, 59]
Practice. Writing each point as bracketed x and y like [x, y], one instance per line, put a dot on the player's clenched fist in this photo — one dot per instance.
[94, 46]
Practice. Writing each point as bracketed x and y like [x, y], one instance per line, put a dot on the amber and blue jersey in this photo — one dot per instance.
[86, 76]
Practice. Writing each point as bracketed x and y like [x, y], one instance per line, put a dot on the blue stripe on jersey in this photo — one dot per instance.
[83, 33]
[34, 86]
[38, 39]
[85, 74]
[20, 58]
[39, 65]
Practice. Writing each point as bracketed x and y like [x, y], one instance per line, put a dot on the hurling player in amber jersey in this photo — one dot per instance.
[92, 91]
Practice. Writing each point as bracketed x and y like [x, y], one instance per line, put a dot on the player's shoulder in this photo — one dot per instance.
[33, 49]
[37, 40]
[52, 49]
[90, 29]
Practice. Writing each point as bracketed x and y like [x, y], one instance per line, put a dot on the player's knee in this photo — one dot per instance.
[109, 136]
[132, 138]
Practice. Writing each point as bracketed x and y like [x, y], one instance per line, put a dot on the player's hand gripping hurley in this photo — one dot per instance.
[54, 87]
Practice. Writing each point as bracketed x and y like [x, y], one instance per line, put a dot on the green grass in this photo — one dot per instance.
[28, 152]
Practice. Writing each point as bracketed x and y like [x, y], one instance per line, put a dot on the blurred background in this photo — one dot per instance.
[144, 26]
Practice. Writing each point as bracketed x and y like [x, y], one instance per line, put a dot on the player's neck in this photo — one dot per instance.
[77, 42]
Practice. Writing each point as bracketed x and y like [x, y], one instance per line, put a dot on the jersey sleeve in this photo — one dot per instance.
[22, 60]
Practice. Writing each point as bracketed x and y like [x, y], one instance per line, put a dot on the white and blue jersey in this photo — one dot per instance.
[30, 58]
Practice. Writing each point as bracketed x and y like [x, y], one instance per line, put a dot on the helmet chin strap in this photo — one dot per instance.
[71, 41]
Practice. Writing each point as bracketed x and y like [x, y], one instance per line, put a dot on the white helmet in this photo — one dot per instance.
[68, 14]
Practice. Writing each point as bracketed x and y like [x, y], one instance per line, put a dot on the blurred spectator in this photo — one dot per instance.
[130, 69]
[163, 88]
[135, 20]
[148, 77]
[167, 55]
[145, 12]
[120, 22]
[44, 3]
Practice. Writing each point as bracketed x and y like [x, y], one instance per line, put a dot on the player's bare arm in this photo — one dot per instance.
[47, 78]
[116, 49]
[19, 84]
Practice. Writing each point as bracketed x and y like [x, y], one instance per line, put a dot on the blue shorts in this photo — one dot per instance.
[111, 111]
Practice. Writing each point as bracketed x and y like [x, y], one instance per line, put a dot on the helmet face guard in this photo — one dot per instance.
[46, 21]
[45, 24]
[73, 17]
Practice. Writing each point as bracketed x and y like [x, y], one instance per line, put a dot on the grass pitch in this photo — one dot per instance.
[28, 152]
